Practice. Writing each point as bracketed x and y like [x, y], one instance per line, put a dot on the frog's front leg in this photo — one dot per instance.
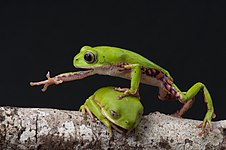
[92, 107]
[85, 109]
[135, 81]
[62, 78]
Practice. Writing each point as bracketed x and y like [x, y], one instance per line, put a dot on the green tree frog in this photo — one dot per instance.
[113, 61]
[122, 114]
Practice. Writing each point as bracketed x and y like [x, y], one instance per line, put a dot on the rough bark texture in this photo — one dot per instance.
[36, 128]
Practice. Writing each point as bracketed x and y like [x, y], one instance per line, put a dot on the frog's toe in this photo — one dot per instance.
[122, 96]
[129, 93]
[82, 110]
[204, 124]
[120, 89]
[126, 92]
[176, 114]
[45, 87]
[200, 125]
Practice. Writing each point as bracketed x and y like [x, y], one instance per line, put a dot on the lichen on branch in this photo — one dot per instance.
[38, 128]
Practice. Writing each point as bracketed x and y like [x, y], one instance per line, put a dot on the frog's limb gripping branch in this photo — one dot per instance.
[36, 128]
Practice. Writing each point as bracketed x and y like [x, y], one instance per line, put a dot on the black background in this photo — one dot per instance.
[187, 39]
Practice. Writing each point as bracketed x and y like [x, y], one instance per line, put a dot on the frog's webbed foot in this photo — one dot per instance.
[209, 116]
[47, 82]
[127, 92]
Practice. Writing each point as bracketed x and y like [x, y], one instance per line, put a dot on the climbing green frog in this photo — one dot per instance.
[113, 61]
[122, 114]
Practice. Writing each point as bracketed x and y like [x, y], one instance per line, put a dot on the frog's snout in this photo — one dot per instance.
[76, 58]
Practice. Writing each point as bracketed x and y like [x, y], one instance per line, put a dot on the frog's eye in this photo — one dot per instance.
[90, 57]
[114, 114]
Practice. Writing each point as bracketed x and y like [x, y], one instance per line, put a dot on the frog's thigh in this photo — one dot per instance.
[164, 95]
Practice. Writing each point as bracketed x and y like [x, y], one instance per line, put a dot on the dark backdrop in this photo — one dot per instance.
[187, 39]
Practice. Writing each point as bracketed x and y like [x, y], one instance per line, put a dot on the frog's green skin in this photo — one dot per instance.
[104, 104]
[106, 60]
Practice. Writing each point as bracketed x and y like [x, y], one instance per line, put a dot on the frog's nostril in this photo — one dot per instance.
[126, 122]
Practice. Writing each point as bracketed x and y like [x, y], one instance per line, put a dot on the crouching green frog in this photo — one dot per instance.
[123, 114]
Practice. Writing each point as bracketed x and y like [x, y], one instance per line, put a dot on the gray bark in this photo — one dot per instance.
[38, 128]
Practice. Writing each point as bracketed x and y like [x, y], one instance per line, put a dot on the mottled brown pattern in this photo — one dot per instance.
[159, 75]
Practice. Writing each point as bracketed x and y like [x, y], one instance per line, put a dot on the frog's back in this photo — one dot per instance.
[108, 97]
[130, 57]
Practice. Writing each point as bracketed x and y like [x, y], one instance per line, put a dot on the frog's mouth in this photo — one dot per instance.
[92, 69]
[100, 69]
[120, 129]
[115, 125]
[84, 67]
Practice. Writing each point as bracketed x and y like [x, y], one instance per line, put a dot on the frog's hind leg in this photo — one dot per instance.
[187, 105]
[184, 97]
[165, 95]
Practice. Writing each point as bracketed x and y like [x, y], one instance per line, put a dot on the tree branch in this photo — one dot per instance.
[37, 128]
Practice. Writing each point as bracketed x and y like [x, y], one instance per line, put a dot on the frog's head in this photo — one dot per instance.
[125, 113]
[92, 57]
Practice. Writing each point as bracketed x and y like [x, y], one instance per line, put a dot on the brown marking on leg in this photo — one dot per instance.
[172, 92]
[164, 95]
[149, 72]
[160, 75]
[121, 67]
[143, 69]
[169, 81]
[167, 86]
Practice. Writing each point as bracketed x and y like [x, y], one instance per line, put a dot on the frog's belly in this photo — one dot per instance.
[148, 76]
[145, 78]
